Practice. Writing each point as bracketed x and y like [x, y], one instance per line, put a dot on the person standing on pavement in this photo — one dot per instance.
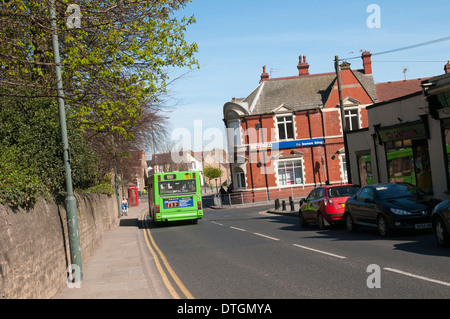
[124, 207]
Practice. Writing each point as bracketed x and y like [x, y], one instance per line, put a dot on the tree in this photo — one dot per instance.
[114, 66]
[31, 148]
[115, 73]
[212, 172]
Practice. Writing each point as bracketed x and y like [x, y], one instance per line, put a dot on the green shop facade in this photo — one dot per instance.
[408, 140]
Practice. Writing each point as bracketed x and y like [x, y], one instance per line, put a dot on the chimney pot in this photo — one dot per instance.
[264, 75]
[303, 67]
[447, 67]
[345, 66]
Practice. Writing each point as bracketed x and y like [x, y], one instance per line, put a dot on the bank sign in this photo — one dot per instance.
[286, 144]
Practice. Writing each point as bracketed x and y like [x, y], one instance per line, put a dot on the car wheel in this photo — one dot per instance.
[320, 221]
[441, 233]
[303, 223]
[350, 224]
[383, 227]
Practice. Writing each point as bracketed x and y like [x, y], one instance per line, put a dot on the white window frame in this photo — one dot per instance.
[349, 115]
[343, 163]
[295, 177]
[234, 130]
[240, 179]
[285, 122]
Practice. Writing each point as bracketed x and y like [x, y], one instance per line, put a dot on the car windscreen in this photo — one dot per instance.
[398, 191]
[177, 187]
[342, 191]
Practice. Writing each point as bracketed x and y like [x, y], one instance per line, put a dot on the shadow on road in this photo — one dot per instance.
[418, 242]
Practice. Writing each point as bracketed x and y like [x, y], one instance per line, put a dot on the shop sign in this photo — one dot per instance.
[404, 132]
[286, 144]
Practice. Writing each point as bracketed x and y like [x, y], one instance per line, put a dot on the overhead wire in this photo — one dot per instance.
[398, 61]
[403, 48]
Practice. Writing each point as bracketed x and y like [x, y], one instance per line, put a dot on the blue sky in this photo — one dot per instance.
[237, 38]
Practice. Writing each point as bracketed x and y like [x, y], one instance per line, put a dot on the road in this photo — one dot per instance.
[248, 253]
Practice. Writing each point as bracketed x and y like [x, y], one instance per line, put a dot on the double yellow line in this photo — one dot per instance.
[152, 247]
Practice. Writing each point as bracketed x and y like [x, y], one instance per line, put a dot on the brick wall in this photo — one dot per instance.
[34, 247]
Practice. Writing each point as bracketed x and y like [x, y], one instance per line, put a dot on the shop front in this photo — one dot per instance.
[399, 147]
[437, 91]
[446, 139]
[408, 140]
[407, 154]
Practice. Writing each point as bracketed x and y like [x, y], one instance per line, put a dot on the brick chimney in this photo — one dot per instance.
[303, 66]
[264, 75]
[345, 66]
[367, 62]
[447, 67]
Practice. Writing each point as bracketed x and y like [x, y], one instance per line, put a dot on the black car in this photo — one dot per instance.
[389, 207]
[440, 219]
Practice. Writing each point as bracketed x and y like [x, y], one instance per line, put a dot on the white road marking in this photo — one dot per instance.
[240, 229]
[418, 277]
[342, 257]
[265, 236]
[320, 251]
[217, 223]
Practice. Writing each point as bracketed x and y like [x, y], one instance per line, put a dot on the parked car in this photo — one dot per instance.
[325, 205]
[389, 207]
[441, 225]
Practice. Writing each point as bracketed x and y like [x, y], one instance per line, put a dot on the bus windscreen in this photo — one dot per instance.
[177, 187]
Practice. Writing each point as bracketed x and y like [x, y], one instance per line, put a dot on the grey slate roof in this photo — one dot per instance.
[368, 84]
[299, 93]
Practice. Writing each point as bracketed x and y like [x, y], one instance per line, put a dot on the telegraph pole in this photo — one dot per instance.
[71, 202]
[344, 125]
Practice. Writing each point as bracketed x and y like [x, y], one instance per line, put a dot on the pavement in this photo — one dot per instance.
[288, 211]
[121, 267]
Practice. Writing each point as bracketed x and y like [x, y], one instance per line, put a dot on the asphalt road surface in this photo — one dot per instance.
[247, 253]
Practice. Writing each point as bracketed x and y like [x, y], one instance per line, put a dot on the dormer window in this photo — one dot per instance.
[285, 127]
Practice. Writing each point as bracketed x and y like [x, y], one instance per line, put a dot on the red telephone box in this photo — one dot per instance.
[133, 195]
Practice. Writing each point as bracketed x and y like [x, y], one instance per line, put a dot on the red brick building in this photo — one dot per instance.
[287, 133]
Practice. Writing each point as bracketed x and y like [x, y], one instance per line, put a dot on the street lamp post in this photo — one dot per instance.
[71, 203]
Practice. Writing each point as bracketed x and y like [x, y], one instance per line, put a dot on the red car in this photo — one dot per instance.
[325, 205]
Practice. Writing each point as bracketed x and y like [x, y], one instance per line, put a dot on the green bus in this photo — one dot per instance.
[175, 196]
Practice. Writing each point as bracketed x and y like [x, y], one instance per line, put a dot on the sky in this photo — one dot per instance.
[237, 38]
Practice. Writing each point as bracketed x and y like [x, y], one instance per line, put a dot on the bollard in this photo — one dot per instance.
[283, 205]
[291, 203]
[277, 203]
